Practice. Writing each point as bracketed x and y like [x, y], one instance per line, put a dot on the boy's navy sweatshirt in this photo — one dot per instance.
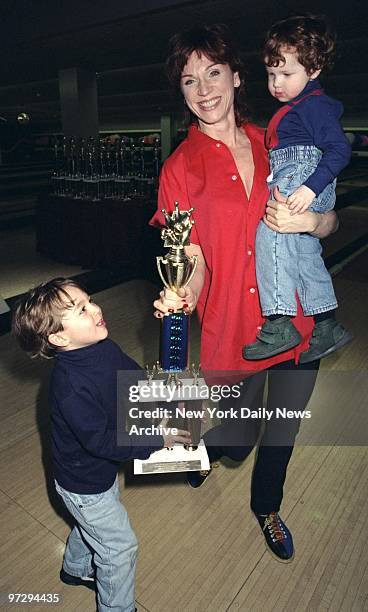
[83, 397]
[316, 121]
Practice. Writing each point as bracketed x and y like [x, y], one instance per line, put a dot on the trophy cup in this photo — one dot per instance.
[170, 378]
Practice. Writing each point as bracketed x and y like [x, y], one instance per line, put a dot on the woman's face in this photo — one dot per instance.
[208, 89]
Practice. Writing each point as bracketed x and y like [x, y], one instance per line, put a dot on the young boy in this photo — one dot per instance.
[58, 319]
[308, 149]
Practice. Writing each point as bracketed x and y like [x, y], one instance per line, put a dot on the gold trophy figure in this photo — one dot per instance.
[179, 268]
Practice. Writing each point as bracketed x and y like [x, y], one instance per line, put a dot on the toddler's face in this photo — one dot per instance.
[82, 321]
[288, 79]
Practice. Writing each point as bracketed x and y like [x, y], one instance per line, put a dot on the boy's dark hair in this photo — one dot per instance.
[38, 314]
[214, 42]
[310, 35]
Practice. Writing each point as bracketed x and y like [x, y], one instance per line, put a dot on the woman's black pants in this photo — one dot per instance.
[289, 387]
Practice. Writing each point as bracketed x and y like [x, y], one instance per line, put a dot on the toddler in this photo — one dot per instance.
[307, 149]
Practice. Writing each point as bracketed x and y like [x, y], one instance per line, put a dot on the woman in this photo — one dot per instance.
[220, 169]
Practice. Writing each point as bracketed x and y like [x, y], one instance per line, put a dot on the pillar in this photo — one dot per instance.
[78, 99]
[168, 132]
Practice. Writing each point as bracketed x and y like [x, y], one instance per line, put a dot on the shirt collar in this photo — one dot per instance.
[312, 85]
[87, 355]
[198, 141]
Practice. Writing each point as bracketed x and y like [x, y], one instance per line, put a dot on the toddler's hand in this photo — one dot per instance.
[300, 200]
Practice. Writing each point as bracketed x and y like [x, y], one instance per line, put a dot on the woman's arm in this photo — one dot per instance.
[278, 217]
[188, 296]
[325, 224]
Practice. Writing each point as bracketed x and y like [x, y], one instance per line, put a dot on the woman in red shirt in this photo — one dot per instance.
[220, 170]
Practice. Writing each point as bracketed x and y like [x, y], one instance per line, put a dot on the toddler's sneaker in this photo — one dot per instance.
[275, 337]
[327, 337]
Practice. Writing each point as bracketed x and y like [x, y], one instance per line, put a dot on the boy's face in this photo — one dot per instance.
[82, 322]
[288, 79]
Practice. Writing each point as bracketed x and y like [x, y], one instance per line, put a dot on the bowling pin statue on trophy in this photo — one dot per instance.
[179, 389]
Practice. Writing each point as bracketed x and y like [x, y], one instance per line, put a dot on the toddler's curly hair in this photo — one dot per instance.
[312, 38]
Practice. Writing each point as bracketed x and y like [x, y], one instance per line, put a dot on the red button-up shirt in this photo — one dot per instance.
[201, 173]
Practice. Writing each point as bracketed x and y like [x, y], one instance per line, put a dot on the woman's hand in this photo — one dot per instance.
[278, 217]
[170, 301]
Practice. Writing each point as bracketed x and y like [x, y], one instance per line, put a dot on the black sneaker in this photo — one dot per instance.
[85, 581]
[276, 336]
[196, 479]
[328, 336]
[278, 538]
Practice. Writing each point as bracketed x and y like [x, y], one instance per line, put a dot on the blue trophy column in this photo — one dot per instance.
[174, 342]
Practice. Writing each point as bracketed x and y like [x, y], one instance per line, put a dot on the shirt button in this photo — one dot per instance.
[252, 290]
[218, 145]
[249, 252]
[234, 177]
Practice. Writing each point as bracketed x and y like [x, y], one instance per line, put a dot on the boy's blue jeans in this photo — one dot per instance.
[290, 263]
[102, 534]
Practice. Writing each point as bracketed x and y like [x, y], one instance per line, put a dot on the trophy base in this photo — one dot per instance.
[174, 460]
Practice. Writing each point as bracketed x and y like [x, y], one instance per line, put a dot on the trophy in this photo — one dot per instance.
[170, 379]
[176, 270]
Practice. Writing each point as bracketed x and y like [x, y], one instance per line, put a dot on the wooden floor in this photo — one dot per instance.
[201, 550]
[21, 267]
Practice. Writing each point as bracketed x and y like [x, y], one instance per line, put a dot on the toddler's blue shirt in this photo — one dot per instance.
[316, 121]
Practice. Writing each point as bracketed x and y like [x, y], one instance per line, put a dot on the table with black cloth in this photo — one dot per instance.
[99, 234]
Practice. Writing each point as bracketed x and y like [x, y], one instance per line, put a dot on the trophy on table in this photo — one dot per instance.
[180, 390]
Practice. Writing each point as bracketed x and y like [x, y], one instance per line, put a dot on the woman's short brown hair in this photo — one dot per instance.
[312, 38]
[214, 42]
[38, 314]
